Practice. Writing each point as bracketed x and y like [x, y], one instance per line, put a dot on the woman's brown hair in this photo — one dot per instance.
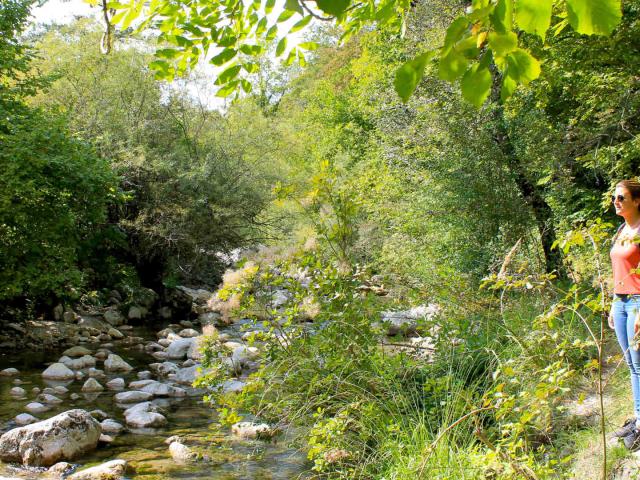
[633, 186]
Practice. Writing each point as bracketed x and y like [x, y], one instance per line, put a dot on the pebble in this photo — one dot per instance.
[111, 426]
[35, 390]
[144, 375]
[60, 390]
[25, 419]
[133, 397]
[92, 385]
[17, 392]
[49, 399]
[9, 372]
[35, 407]
[99, 415]
[116, 384]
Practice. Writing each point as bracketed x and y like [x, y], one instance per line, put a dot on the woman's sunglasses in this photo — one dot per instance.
[620, 198]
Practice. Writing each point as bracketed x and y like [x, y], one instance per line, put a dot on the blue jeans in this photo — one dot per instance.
[624, 310]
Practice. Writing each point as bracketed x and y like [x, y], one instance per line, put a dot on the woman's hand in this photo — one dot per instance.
[611, 324]
[636, 324]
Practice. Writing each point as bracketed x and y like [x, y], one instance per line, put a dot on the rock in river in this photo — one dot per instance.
[111, 426]
[63, 437]
[133, 397]
[17, 392]
[58, 371]
[9, 372]
[92, 385]
[116, 384]
[144, 415]
[25, 419]
[181, 453]
[250, 430]
[78, 351]
[35, 407]
[179, 348]
[113, 470]
[114, 363]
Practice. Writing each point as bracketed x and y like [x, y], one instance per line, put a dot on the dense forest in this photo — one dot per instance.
[491, 211]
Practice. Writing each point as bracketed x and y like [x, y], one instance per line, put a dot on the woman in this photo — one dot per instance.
[625, 308]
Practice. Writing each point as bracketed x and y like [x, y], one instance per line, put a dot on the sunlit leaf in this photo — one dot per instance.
[452, 66]
[285, 15]
[281, 47]
[334, 8]
[509, 86]
[229, 74]
[522, 66]
[224, 56]
[455, 31]
[301, 24]
[308, 46]
[502, 16]
[409, 75]
[227, 89]
[594, 17]
[294, 6]
[476, 84]
[246, 85]
[502, 44]
[252, 50]
[534, 16]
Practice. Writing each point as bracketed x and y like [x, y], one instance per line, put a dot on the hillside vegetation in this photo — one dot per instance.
[497, 217]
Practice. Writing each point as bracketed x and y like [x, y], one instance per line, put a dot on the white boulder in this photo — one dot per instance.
[63, 437]
[58, 371]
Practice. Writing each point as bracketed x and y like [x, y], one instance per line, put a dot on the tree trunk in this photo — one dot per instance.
[531, 193]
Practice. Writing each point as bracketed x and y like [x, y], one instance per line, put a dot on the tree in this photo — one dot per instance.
[193, 178]
[54, 188]
[483, 41]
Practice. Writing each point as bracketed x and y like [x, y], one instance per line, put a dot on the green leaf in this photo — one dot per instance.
[223, 57]
[252, 50]
[309, 45]
[409, 75]
[502, 16]
[246, 85]
[268, 8]
[227, 89]
[271, 33]
[452, 66]
[335, 8]
[294, 6]
[301, 24]
[522, 66]
[291, 57]
[594, 17]
[503, 43]
[229, 74]
[282, 45]
[285, 15]
[262, 26]
[476, 84]
[251, 67]
[168, 53]
[455, 31]
[534, 16]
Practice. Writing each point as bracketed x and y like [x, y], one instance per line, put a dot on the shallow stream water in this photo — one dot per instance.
[146, 452]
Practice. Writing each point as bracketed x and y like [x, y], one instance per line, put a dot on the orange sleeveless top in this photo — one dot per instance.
[625, 257]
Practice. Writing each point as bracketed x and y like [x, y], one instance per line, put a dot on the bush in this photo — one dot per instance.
[53, 202]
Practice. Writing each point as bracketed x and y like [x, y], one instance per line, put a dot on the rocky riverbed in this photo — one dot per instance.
[127, 408]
